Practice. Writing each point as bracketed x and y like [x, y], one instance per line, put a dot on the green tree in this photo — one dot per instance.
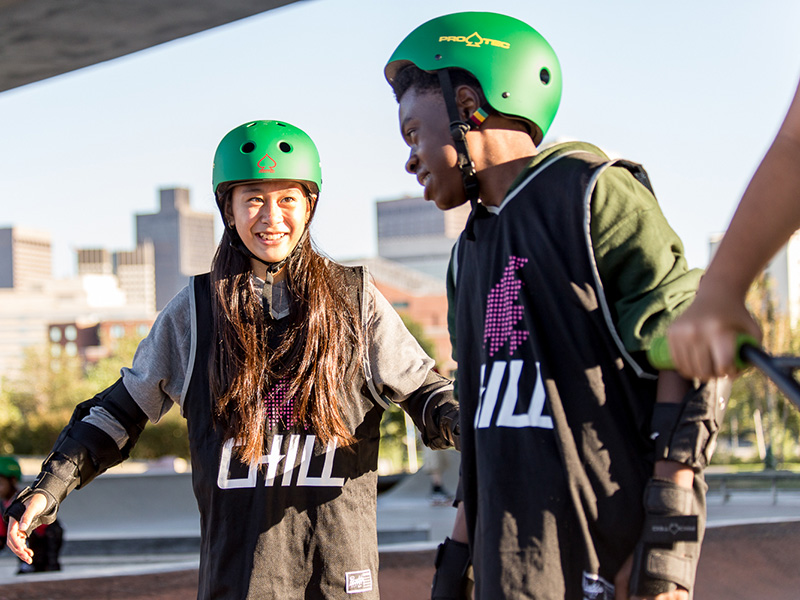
[37, 405]
[40, 401]
[753, 391]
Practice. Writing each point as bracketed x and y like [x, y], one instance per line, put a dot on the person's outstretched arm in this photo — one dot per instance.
[702, 340]
[103, 430]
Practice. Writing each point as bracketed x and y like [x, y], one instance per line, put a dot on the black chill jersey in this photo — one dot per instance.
[554, 413]
[301, 523]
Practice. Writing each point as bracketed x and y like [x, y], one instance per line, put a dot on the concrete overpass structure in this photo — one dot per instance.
[44, 38]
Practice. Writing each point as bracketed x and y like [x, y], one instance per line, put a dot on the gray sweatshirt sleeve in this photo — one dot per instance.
[397, 363]
[160, 366]
[398, 370]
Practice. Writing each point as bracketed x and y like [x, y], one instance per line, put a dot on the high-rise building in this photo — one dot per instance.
[94, 261]
[183, 242]
[414, 243]
[25, 258]
[22, 325]
[136, 271]
[418, 235]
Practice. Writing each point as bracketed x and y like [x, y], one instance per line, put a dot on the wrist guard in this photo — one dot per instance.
[447, 422]
[669, 547]
[453, 577]
[440, 427]
[686, 432]
[60, 474]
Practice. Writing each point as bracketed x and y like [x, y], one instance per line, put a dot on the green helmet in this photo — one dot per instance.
[9, 467]
[267, 150]
[516, 67]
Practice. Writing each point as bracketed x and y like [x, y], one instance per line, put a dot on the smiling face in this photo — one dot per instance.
[424, 125]
[270, 216]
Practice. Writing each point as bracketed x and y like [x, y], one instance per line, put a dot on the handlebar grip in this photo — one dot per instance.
[660, 358]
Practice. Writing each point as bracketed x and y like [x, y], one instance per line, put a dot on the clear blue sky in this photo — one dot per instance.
[693, 90]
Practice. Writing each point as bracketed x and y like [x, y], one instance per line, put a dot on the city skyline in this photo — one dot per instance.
[115, 292]
[693, 91]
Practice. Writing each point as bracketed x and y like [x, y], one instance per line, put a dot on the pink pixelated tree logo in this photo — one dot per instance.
[278, 406]
[504, 312]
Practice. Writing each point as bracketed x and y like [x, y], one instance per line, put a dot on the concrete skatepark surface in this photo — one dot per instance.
[135, 537]
[746, 562]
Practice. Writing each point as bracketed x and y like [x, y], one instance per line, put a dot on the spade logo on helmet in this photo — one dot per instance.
[264, 165]
[474, 41]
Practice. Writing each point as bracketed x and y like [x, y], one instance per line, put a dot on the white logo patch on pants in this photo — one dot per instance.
[358, 581]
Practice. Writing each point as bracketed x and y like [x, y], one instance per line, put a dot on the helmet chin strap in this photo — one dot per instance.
[458, 131]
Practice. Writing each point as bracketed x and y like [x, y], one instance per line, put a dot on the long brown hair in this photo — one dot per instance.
[316, 346]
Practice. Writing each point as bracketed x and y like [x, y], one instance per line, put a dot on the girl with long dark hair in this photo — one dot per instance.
[282, 362]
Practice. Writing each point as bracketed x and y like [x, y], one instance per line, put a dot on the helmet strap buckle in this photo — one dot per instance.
[458, 131]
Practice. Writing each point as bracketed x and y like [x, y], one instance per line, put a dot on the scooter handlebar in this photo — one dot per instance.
[748, 353]
[660, 358]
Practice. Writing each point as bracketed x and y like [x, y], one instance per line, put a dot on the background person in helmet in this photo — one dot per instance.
[46, 539]
[282, 362]
[565, 272]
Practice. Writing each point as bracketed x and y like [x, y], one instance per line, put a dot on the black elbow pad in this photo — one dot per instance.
[101, 448]
[120, 404]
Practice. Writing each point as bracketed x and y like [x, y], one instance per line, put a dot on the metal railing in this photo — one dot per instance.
[727, 484]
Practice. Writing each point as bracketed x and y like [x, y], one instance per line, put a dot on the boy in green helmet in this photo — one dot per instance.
[578, 460]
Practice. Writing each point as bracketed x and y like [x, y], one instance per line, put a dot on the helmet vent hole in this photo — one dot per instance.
[544, 76]
[285, 147]
[248, 147]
